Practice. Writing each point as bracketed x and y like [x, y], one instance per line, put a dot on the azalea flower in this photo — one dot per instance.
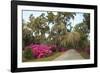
[40, 50]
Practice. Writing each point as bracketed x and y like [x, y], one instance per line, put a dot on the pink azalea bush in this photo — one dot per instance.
[40, 50]
[53, 48]
[43, 50]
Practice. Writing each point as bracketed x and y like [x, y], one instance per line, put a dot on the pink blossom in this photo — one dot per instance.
[40, 50]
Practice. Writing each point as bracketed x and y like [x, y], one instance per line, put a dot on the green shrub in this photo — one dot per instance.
[28, 54]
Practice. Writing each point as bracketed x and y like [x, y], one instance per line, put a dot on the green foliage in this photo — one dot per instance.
[50, 17]
[83, 29]
[73, 39]
[27, 54]
[70, 40]
[27, 36]
[87, 19]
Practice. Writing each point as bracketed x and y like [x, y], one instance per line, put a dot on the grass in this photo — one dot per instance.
[50, 58]
[84, 55]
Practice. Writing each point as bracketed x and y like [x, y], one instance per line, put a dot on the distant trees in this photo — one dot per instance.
[84, 29]
[87, 19]
[38, 30]
[27, 36]
[59, 29]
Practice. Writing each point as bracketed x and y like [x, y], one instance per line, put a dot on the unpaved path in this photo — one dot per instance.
[70, 55]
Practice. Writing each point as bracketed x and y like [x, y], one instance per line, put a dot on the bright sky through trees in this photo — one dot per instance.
[78, 18]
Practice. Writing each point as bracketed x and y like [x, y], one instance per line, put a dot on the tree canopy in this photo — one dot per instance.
[37, 29]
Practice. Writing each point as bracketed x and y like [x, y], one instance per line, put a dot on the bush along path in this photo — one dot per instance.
[70, 55]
